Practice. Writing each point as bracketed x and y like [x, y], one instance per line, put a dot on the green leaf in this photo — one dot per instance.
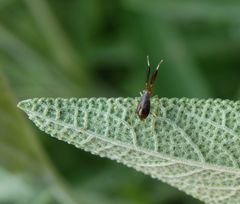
[21, 153]
[19, 148]
[15, 188]
[188, 143]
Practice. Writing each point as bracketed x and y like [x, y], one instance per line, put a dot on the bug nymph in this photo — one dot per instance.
[143, 108]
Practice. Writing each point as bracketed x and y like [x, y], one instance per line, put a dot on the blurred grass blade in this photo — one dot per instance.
[15, 188]
[41, 73]
[21, 152]
[188, 10]
[19, 149]
[189, 143]
[54, 35]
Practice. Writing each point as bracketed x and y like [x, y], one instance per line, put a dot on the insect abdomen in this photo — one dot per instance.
[143, 108]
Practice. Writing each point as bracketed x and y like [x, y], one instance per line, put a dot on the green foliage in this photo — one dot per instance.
[190, 144]
[15, 188]
[22, 155]
[57, 48]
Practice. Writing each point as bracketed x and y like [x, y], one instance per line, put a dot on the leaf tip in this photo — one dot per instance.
[24, 105]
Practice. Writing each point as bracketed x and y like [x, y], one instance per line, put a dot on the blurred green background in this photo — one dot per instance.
[84, 48]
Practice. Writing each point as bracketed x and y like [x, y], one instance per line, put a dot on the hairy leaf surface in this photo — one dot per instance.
[191, 144]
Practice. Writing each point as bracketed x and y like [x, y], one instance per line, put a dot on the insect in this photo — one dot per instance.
[143, 107]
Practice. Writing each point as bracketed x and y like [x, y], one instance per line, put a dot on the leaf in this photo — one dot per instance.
[14, 188]
[21, 153]
[188, 143]
[19, 148]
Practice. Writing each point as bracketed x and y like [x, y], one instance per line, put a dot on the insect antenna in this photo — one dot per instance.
[154, 77]
[148, 73]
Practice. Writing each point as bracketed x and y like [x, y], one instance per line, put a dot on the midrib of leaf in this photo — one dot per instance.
[172, 160]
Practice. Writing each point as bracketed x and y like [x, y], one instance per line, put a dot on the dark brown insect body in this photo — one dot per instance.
[143, 108]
